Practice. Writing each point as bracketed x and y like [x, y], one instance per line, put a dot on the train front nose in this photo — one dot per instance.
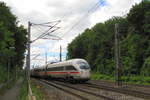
[85, 74]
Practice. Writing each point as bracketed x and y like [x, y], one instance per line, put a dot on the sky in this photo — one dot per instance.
[75, 17]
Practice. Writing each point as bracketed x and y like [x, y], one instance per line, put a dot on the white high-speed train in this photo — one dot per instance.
[72, 70]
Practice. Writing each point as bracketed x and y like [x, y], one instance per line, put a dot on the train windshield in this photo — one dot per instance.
[83, 65]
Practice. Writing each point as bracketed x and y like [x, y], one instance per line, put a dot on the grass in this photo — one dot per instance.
[128, 79]
[36, 91]
[98, 76]
[23, 91]
[136, 80]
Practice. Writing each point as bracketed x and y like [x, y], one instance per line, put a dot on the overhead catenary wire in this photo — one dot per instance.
[48, 34]
[92, 9]
[47, 22]
[35, 56]
[84, 16]
[47, 31]
[51, 27]
[42, 30]
[80, 25]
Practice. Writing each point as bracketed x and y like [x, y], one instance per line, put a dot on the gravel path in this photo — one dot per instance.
[13, 92]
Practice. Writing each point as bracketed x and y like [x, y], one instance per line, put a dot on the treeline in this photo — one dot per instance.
[96, 45]
[12, 42]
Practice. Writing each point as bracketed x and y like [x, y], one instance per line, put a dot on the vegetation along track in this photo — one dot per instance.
[62, 86]
[120, 90]
[138, 85]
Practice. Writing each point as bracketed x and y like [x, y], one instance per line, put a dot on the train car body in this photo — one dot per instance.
[75, 69]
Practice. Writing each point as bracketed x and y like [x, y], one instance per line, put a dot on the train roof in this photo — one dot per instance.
[68, 62]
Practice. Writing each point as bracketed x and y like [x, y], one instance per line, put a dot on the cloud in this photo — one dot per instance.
[76, 15]
[115, 8]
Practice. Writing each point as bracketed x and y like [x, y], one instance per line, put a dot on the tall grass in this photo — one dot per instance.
[129, 79]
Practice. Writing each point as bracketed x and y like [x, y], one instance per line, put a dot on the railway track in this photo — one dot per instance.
[80, 93]
[123, 83]
[120, 90]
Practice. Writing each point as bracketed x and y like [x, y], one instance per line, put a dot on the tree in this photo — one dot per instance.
[11, 35]
[139, 18]
[96, 45]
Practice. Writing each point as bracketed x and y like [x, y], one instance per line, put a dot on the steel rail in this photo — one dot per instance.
[120, 90]
[65, 90]
[91, 93]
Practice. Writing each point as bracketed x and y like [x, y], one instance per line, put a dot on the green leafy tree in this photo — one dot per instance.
[146, 67]
[96, 45]
[139, 18]
[11, 35]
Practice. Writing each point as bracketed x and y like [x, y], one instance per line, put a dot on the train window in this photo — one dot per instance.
[70, 68]
[56, 69]
[83, 65]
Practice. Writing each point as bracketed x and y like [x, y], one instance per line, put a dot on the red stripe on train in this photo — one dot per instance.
[75, 72]
[63, 72]
[56, 72]
[59, 72]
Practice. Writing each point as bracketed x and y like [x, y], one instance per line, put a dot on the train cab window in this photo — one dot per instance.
[83, 65]
[70, 68]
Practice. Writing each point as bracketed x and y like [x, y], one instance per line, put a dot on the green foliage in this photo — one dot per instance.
[23, 94]
[132, 57]
[98, 76]
[12, 40]
[36, 90]
[3, 76]
[139, 18]
[96, 45]
[126, 79]
[146, 67]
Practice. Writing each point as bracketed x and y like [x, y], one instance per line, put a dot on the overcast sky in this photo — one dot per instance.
[75, 16]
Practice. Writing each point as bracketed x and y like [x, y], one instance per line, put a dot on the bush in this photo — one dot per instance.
[128, 79]
[98, 76]
[147, 79]
[145, 71]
